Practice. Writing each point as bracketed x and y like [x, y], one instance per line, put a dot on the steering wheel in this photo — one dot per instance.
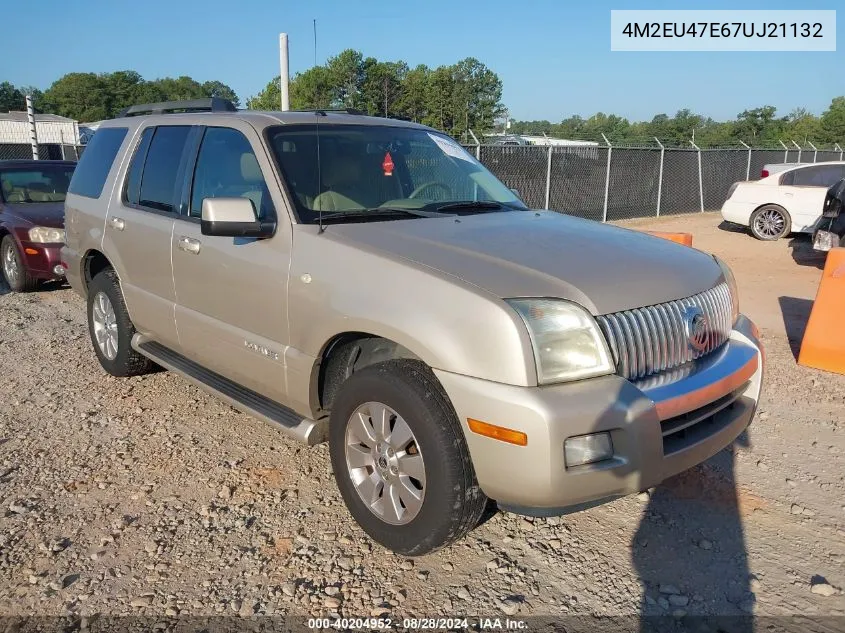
[432, 185]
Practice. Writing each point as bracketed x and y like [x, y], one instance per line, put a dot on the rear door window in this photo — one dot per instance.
[818, 176]
[93, 168]
[161, 168]
[132, 192]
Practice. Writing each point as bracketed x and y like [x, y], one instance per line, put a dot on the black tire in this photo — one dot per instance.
[127, 362]
[22, 281]
[772, 211]
[452, 503]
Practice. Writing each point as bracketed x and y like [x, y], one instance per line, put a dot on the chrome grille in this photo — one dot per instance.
[650, 340]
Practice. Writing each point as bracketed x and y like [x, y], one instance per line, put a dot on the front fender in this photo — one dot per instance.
[450, 325]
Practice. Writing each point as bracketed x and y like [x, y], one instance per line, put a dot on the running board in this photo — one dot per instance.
[305, 430]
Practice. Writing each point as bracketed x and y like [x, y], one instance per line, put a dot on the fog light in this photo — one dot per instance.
[587, 449]
[58, 269]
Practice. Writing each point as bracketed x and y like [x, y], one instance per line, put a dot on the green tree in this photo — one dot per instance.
[414, 93]
[756, 125]
[180, 89]
[123, 88]
[11, 98]
[80, 96]
[439, 100]
[382, 86]
[219, 89]
[832, 122]
[346, 73]
[267, 99]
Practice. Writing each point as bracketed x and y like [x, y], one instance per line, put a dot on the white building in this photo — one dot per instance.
[51, 129]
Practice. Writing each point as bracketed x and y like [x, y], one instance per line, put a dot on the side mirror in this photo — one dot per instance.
[233, 217]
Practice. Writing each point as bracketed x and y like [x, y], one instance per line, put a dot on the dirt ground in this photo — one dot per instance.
[146, 496]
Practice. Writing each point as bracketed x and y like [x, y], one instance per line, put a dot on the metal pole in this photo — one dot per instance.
[799, 150]
[700, 179]
[785, 152]
[284, 75]
[33, 133]
[748, 166]
[549, 177]
[660, 177]
[607, 178]
[477, 145]
[815, 151]
[839, 149]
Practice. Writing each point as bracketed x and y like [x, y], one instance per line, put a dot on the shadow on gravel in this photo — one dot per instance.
[796, 313]
[732, 228]
[689, 550]
[46, 286]
[801, 249]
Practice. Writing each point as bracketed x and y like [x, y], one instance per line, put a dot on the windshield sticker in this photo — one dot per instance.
[387, 165]
[451, 148]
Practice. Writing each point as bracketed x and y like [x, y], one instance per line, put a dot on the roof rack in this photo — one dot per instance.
[325, 110]
[210, 104]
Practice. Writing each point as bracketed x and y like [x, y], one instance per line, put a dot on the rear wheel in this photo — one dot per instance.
[111, 328]
[400, 458]
[770, 222]
[14, 270]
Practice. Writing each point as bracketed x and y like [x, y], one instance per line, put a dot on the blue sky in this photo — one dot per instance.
[553, 56]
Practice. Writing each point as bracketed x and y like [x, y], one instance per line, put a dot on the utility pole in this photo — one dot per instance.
[284, 74]
[33, 133]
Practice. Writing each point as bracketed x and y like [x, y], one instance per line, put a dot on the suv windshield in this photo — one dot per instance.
[367, 169]
[35, 184]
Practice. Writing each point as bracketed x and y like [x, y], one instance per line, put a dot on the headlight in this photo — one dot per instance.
[46, 235]
[731, 281]
[567, 342]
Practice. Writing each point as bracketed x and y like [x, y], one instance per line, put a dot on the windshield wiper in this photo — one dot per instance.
[472, 205]
[377, 213]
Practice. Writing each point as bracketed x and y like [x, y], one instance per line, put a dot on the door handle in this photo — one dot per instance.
[189, 245]
[117, 223]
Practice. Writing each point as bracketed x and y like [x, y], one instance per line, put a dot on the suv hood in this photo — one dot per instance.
[545, 254]
[49, 214]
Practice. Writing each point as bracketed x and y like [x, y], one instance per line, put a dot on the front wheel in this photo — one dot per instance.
[770, 222]
[14, 271]
[400, 458]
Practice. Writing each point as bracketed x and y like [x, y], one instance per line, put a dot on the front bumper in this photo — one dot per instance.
[42, 261]
[659, 427]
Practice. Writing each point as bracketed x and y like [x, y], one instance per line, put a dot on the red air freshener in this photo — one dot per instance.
[387, 165]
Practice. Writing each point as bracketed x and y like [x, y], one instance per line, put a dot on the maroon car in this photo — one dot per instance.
[32, 201]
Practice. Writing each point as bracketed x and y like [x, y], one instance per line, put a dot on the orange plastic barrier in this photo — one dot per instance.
[680, 238]
[823, 346]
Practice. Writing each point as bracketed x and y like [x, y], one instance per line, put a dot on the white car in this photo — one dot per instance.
[789, 201]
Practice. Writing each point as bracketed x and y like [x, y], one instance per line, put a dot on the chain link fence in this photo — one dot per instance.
[46, 151]
[609, 183]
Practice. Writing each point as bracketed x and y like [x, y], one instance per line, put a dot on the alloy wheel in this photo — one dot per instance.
[11, 266]
[770, 223]
[385, 464]
[105, 325]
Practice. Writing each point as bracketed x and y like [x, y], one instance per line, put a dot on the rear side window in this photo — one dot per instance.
[819, 175]
[158, 180]
[93, 168]
[132, 193]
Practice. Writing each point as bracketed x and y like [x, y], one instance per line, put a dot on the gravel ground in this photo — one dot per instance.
[147, 496]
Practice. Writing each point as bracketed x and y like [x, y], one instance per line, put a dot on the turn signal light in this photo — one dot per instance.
[30, 251]
[498, 432]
